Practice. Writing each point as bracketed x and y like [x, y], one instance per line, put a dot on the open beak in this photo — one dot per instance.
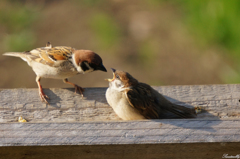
[114, 76]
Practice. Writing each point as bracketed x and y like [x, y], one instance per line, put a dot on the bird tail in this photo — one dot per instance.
[22, 55]
[16, 54]
[182, 111]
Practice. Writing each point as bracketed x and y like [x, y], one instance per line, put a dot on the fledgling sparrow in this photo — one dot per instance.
[60, 62]
[133, 100]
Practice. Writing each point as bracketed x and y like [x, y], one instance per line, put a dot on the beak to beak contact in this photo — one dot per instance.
[114, 76]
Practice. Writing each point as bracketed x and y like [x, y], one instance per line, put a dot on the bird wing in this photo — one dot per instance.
[141, 98]
[152, 105]
[51, 56]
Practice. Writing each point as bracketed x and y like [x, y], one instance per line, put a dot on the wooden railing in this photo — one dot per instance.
[71, 120]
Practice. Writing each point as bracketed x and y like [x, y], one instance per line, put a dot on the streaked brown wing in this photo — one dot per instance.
[140, 97]
[49, 56]
[60, 52]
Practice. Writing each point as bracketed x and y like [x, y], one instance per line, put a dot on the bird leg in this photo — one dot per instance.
[42, 95]
[77, 88]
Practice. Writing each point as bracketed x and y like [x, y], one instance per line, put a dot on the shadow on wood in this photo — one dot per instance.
[88, 127]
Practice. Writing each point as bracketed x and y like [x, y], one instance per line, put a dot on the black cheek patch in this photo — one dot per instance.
[84, 66]
[92, 65]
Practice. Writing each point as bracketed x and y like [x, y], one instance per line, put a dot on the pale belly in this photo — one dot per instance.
[120, 105]
[46, 71]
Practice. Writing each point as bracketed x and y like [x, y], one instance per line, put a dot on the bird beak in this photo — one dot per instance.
[114, 76]
[101, 68]
[113, 70]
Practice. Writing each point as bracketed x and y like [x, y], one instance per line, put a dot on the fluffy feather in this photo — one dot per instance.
[141, 97]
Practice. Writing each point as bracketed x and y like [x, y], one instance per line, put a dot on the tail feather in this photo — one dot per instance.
[182, 111]
[16, 54]
[23, 55]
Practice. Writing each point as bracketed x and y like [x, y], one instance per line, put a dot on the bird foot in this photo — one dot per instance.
[78, 89]
[43, 97]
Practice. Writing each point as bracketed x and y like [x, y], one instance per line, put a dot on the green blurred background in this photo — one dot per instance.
[160, 42]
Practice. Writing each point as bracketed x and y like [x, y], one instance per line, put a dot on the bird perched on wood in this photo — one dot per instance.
[60, 62]
[132, 100]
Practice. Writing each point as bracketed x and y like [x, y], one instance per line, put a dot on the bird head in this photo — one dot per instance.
[87, 61]
[121, 80]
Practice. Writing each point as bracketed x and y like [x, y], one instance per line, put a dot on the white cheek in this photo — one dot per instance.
[74, 62]
[79, 69]
[117, 85]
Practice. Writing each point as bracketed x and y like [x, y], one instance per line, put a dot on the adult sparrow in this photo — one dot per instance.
[60, 62]
[132, 100]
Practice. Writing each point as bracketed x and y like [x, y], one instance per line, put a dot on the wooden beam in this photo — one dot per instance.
[221, 101]
[120, 132]
[72, 120]
[136, 151]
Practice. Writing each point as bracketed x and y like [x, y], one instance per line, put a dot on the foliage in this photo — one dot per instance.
[214, 22]
[105, 29]
[17, 19]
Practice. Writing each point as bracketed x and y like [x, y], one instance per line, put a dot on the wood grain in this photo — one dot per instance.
[87, 127]
[219, 101]
[120, 132]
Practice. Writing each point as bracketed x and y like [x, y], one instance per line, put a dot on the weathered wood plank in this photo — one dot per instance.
[65, 105]
[219, 100]
[119, 132]
[88, 127]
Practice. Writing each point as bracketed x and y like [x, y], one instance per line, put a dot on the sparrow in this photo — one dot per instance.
[133, 100]
[60, 62]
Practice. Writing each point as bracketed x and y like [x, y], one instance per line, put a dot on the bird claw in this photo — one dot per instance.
[43, 97]
[79, 89]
